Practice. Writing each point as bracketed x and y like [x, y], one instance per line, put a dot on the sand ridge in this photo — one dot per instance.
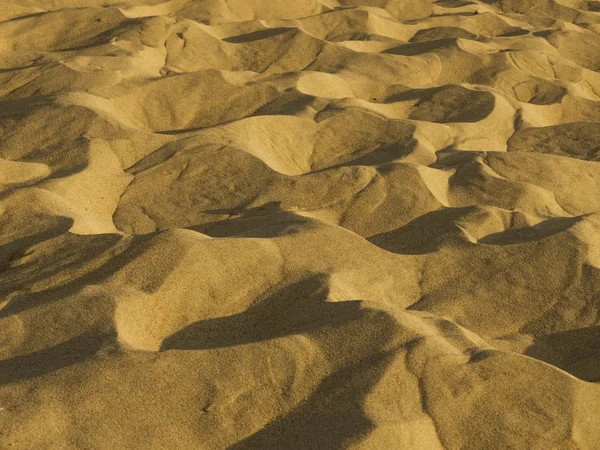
[316, 224]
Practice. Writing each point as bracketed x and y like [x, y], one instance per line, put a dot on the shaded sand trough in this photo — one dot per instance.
[257, 224]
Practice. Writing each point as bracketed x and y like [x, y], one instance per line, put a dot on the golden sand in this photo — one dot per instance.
[312, 224]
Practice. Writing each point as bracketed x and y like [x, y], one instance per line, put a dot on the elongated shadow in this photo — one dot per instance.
[298, 308]
[527, 234]
[267, 221]
[12, 249]
[331, 418]
[49, 360]
[257, 35]
[437, 33]
[27, 16]
[333, 415]
[289, 103]
[123, 253]
[424, 234]
[20, 108]
[421, 47]
[574, 351]
[15, 69]
[385, 154]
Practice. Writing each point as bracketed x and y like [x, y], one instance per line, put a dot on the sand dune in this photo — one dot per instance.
[317, 224]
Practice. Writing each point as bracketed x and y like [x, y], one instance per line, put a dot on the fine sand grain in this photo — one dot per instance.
[311, 224]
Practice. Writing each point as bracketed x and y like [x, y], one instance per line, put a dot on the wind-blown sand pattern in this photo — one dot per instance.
[312, 224]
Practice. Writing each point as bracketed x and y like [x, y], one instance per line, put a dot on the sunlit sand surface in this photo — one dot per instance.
[312, 224]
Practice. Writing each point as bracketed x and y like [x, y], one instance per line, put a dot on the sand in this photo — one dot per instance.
[312, 224]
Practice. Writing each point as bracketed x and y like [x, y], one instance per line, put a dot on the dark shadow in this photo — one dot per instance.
[104, 37]
[454, 3]
[266, 221]
[298, 308]
[425, 234]
[181, 131]
[407, 95]
[257, 35]
[20, 108]
[543, 33]
[449, 157]
[64, 159]
[547, 94]
[79, 348]
[362, 36]
[27, 16]
[462, 14]
[290, 103]
[528, 234]
[574, 351]
[515, 32]
[420, 48]
[438, 33]
[14, 69]
[385, 154]
[478, 354]
[378, 157]
[593, 6]
[579, 140]
[120, 253]
[331, 418]
[15, 248]
[447, 104]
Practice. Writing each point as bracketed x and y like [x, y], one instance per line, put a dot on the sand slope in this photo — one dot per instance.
[318, 224]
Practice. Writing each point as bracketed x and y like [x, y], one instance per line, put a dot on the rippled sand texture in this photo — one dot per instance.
[253, 224]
